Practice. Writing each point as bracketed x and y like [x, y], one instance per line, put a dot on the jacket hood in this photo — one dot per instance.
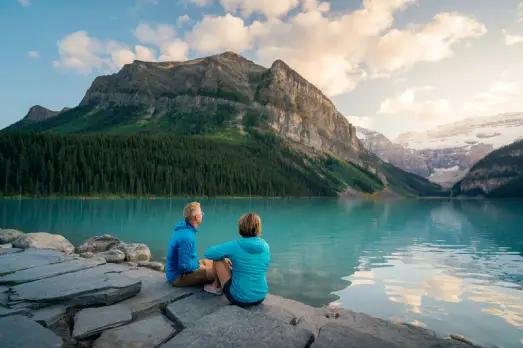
[253, 245]
[183, 225]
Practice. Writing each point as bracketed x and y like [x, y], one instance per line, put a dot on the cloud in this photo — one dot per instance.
[182, 20]
[269, 8]
[400, 49]
[24, 3]
[164, 37]
[214, 34]
[33, 55]
[334, 51]
[155, 35]
[511, 39]
[501, 96]
[201, 3]
[176, 50]
[80, 52]
[409, 101]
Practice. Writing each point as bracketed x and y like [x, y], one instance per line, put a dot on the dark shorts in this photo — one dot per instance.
[232, 300]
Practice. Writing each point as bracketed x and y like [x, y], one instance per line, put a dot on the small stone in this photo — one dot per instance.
[113, 255]
[149, 332]
[9, 235]
[154, 265]
[134, 251]
[6, 246]
[21, 332]
[98, 244]
[87, 255]
[91, 321]
[44, 240]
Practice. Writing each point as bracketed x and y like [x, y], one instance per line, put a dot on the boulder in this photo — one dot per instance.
[98, 244]
[150, 332]
[134, 252]
[21, 332]
[92, 321]
[87, 255]
[113, 255]
[9, 235]
[232, 326]
[44, 240]
[154, 265]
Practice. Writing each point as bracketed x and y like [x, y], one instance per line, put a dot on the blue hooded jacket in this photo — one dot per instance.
[181, 253]
[250, 260]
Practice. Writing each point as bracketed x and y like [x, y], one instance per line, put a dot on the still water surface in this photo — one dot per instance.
[451, 266]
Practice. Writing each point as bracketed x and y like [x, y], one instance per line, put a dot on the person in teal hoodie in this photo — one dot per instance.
[182, 267]
[241, 265]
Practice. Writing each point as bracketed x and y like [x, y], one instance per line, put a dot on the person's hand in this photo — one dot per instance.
[228, 262]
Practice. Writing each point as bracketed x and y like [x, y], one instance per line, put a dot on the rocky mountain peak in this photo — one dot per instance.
[39, 113]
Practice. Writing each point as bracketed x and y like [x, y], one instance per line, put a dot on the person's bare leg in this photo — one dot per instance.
[209, 271]
[222, 271]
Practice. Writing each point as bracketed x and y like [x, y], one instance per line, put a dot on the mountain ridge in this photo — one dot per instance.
[221, 95]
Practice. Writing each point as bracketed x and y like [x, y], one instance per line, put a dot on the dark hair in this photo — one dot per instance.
[249, 225]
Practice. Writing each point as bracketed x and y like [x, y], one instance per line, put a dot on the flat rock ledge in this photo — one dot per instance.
[50, 298]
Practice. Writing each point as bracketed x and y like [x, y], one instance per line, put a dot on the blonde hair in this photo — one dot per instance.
[250, 225]
[190, 209]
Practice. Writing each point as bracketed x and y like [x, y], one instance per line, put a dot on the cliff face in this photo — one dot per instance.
[278, 97]
[499, 174]
[38, 113]
[396, 154]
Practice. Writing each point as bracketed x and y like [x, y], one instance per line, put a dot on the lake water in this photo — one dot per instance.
[451, 266]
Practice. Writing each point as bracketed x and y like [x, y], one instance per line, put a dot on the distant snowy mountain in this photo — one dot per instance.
[446, 153]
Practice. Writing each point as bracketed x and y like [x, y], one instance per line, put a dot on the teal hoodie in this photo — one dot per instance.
[250, 260]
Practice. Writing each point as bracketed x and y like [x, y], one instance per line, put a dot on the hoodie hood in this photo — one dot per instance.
[253, 245]
[184, 225]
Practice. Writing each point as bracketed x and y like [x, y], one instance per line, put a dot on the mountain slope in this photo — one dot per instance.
[499, 174]
[450, 150]
[224, 96]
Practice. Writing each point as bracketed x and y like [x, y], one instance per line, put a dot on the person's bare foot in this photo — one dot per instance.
[212, 289]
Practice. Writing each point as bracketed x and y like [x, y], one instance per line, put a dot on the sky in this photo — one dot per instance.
[388, 65]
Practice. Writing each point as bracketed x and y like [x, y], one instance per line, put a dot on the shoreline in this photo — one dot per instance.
[107, 293]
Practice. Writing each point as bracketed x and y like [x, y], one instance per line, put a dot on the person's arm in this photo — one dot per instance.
[186, 263]
[220, 251]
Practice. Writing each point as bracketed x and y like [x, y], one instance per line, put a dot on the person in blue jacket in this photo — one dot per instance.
[182, 266]
[240, 265]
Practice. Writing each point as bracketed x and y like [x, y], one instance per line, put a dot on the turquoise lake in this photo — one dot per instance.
[451, 266]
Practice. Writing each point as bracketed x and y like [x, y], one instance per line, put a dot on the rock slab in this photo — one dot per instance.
[89, 286]
[232, 326]
[91, 321]
[22, 332]
[339, 336]
[29, 258]
[155, 293]
[188, 310]
[47, 271]
[150, 332]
